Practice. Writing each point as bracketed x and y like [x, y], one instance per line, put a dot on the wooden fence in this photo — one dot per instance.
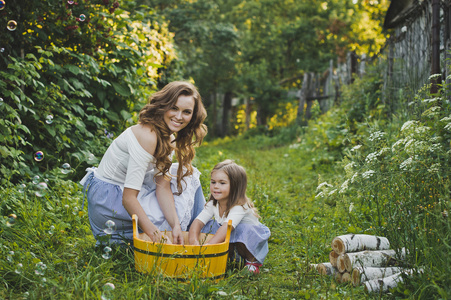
[407, 60]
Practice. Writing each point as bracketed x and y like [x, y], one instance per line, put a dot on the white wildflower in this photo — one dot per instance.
[435, 147]
[354, 177]
[320, 195]
[332, 192]
[377, 136]
[383, 151]
[368, 174]
[323, 184]
[432, 100]
[294, 146]
[348, 167]
[407, 125]
[433, 76]
[396, 144]
[222, 293]
[448, 127]
[434, 110]
[344, 186]
[422, 129]
[355, 148]
[351, 207]
[435, 168]
[406, 164]
[372, 157]
[445, 119]
[414, 146]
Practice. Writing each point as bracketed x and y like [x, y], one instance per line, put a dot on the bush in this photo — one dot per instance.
[397, 185]
[68, 82]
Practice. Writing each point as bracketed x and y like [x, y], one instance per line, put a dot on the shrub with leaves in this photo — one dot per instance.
[72, 74]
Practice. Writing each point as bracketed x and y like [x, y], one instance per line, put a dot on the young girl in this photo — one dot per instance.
[228, 201]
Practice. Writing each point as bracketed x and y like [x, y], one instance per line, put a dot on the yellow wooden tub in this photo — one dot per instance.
[180, 261]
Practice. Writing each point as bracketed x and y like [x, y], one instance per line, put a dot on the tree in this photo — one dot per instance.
[70, 71]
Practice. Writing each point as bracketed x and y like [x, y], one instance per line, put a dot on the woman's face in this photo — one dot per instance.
[179, 116]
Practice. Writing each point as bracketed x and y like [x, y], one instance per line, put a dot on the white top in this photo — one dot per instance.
[126, 162]
[238, 214]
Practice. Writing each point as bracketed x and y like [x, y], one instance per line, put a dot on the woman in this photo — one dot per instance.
[136, 174]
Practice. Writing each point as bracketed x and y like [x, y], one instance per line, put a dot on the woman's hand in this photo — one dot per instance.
[177, 235]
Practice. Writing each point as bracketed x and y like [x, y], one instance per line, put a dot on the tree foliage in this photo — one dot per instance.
[70, 73]
[258, 49]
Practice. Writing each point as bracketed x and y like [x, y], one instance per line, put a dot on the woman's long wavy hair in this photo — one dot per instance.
[192, 135]
[238, 184]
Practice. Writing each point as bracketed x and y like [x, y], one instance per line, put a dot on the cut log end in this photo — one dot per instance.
[346, 277]
[333, 256]
[344, 263]
[338, 246]
[325, 269]
[355, 277]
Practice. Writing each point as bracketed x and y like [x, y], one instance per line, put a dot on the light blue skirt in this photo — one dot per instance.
[105, 203]
[254, 237]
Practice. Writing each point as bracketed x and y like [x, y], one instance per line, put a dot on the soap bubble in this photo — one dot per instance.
[10, 256]
[51, 229]
[108, 289]
[36, 179]
[70, 2]
[91, 157]
[110, 227]
[40, 268]
[2, 50]
[49, 119]
[19, 268]
[12, 25]
[22, 188]
[11, 220]
[82, 18]
[2, 4]
[39, 156]
[106, 252]
[41, 189]
[65, 168]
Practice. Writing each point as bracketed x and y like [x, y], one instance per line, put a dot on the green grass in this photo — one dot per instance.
[282, 183]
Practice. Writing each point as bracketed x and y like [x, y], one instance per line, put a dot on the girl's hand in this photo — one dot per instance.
[177, 235]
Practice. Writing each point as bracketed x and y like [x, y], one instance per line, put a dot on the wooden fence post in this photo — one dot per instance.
[435, 57]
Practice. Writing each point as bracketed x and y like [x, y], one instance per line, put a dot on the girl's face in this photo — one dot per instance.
[220, 185]
[179, 116]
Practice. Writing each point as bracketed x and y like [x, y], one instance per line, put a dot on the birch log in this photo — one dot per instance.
[338, 277]
[380, 258]
[359, 242]
[326, 269]
[346, 277]
[360, 274]
[333, 256]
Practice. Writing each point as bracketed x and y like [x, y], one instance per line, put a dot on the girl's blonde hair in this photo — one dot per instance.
[238, 184]
[186, 139]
